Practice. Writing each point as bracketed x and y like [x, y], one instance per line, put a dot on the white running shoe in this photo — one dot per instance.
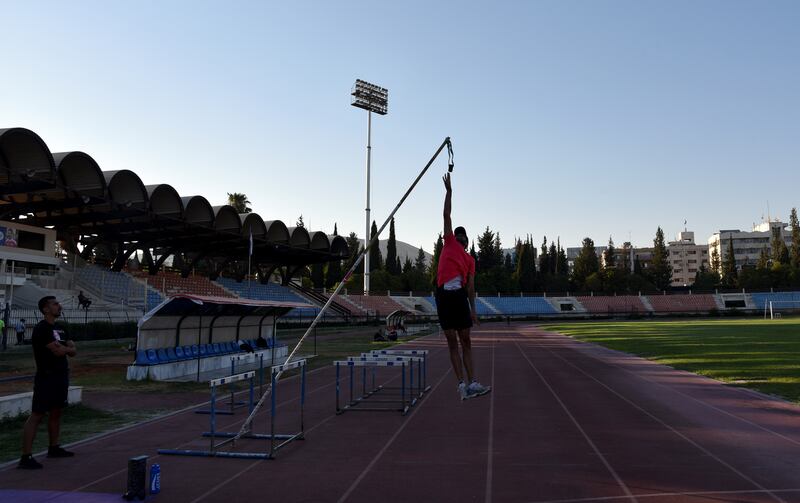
[462, 391]
[477, 389]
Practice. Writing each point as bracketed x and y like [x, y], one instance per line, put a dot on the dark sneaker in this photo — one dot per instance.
[28, 463]
[476, 389]
[59, 452]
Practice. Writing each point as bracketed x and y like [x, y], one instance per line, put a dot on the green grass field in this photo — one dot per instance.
[759, 354]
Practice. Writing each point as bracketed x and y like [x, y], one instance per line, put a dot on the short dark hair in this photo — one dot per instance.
[44, 301]
[460, 230]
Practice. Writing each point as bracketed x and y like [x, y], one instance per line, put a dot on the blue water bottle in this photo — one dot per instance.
[155, 479]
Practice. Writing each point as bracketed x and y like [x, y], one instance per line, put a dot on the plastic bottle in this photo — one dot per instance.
[155, 479]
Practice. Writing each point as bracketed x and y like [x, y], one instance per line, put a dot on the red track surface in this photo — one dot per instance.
[567, 421]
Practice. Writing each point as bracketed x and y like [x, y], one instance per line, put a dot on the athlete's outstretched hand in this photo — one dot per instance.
[446, 179]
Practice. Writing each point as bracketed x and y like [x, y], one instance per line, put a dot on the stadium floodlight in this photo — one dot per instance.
[371, 98]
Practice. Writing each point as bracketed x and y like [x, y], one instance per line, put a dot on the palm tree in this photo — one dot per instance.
[239, 202]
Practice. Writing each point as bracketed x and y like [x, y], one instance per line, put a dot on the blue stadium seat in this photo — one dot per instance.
[519, 305]
[203, 350]
[187, 352]
[195, 350]
[218, 348]
[152, 357]
[179, 353]
[162, 355]
[141, 357]
[232, 346]
[171, 354]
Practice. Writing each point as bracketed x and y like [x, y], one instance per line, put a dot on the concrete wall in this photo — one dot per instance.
[20, 404]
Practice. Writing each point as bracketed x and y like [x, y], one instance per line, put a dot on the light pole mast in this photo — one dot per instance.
[371, 98]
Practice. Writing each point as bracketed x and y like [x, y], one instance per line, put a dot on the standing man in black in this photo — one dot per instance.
[50, 385]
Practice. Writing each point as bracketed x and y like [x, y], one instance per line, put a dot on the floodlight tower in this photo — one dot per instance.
[371, 98]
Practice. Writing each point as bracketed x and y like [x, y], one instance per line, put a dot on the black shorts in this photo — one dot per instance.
[50, 391]
[452, 306]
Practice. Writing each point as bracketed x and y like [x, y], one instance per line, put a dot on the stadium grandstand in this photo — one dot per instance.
[70, 228]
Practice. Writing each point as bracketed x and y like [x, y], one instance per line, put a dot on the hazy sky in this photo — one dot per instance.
[568, 118]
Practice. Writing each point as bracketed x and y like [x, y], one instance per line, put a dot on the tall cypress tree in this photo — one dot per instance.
[729, 266]
[487, 254]
[661, 271]
[793, 222]
[375, 256]
[780, 254]
[716, 263]
[437, 251]
[526, 266]
[610, 255]
[355, 248]
[498, 250]
[419, 263]
[586, 263]
[544, 258]
[562, 264]
[553, 261]
[391, 252]
[763, 260]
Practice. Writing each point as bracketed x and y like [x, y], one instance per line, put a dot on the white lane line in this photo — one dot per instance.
[490, 449]
[663, 423]
[234, 477]
[749, 392]
[251, 465]
[664, 495]
[628, 495]
[390, 441]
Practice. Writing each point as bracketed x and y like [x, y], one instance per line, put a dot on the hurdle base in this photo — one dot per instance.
[354, 406]
[217, 454]
[256, 436]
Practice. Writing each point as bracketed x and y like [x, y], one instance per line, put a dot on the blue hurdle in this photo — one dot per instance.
[284, 439]
[403, 362]
[233, 404]
[411, 359]
[410, 352]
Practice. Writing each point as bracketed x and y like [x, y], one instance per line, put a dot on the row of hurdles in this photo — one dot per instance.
[408, 361]
[411, 364]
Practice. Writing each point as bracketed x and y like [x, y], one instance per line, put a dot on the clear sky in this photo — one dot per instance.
[568, 118]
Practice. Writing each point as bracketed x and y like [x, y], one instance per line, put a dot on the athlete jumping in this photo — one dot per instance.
[455, 299]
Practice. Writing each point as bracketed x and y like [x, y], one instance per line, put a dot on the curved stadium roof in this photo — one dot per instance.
[68, 191]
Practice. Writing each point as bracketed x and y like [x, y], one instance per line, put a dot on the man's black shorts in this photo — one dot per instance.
[50, 391]
[452, 306]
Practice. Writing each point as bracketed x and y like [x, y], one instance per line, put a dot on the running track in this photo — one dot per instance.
[566, 422]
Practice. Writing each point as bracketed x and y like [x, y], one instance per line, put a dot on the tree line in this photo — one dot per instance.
[527, 268]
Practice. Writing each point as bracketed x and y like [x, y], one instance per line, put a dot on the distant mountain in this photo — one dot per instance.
[403, 250]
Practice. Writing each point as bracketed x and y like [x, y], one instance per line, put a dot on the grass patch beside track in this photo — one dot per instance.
[763, 355]
[77, 422]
